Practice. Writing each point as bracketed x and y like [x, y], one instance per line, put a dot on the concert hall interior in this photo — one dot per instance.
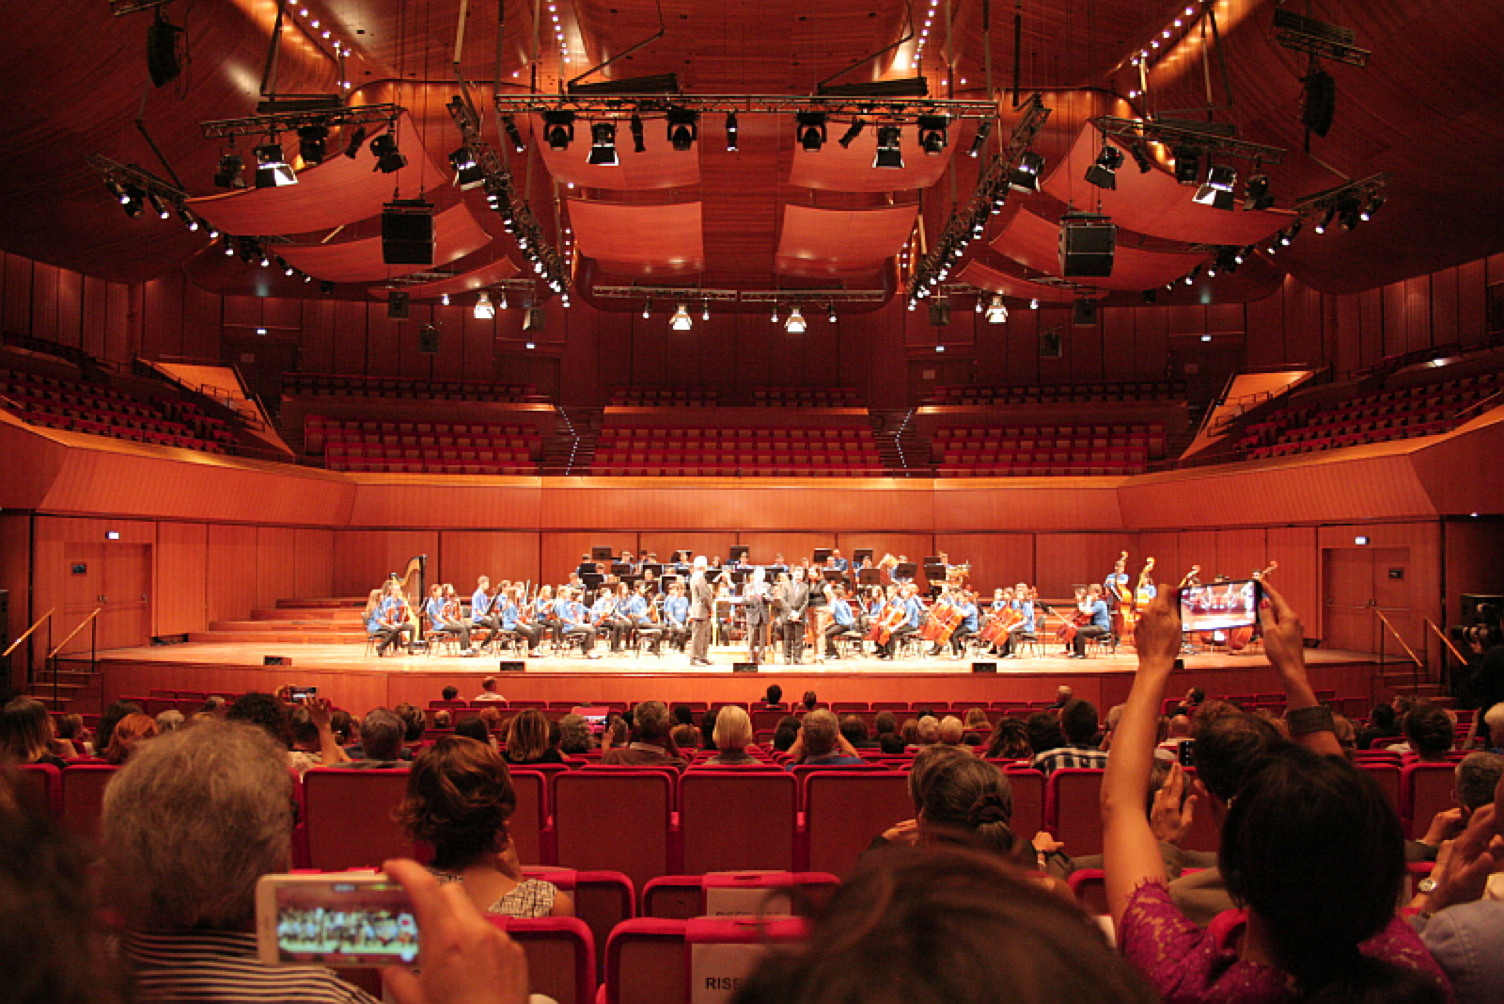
[1024, 286]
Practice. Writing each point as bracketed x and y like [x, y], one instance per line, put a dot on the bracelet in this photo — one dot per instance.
[1304, 721]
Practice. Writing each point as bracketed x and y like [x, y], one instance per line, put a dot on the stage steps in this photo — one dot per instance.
[331, 620]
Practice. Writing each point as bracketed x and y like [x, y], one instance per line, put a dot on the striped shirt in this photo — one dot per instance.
[222, 967]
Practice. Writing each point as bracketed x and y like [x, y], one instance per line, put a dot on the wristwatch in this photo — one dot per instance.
[1426, 886]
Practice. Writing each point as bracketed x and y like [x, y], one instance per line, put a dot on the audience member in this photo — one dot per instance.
[855, 731]
[168, 720]
[26, 734]
[929, 730]
[1010, 740]
[381, 734]
[733, 734]
[820, 743]
[707, 729]
[112, 714]
[651, 743]
[527, 740]
[686, 738]
[1493, 721]
[909, 732]
[1192, 700]
[345, 728]
[574, 736]
[1063, 696]
[1474, 780]
[1382, 724]
[785, 734]
[683, 714]
[885, 723]
[976, 719]
[460, 800]
[1429, 732]
[443, 718]
[950, 730]
[892, 744]
[488, 691]
[492, 717]
[450, 693]
[1078, 723]
[772, 700]
[412, 723]
[1176, 736]
[474, 727]
[128, 733]
[71, 739]
[1044, 732]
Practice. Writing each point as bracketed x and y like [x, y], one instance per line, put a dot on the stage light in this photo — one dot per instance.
[502, 305]
[603, 145]
[558, 129]
[681, 321]
[977, 141]
[229, 247]
[810, 131]
[683, 128]
[1257, 195]
[705, 311]
[158, 206]
[1025, 177]
[356, 141]
[1187, 164]
[1374, 205]
[1104, 173]
[774, 318]
[189, 220]
[467, 173]
[795, 325]
[889, 151]
[932, 137]
[1192, 275]
[1140, 154]
[443, 299]
[731, 130]
[484, 308]
[1289, 233]
[1033, 304]
[272, 168]
[229, 173]
[830, 313]
[388, 158]
[312, 140]
[852, 132]
[1349, 214]
[1217, 190]
[1326, 220]
[634, 125]
[532, 345]
[510, 125]
[996, 312]
[647, 309]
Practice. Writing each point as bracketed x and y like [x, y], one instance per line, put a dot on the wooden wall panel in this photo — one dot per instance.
[364, 558]
[230, 570]
[1065, 560]
[181, 554]
[313, 571]
[915, 546]
[664, 543]
[1472, 281]
[1396, 320]
[1151, 341]
[1265, 321]
[1444, 305]
[44, 295]
[15, 579]
[996, 559]
[1474, 562]
[1297, 577]
[276, 557]
[559, 553]
[1240, 553]
[1164, 548]
[1417, 301]
[468, 554]
[316, 350]
[15, 312]
[202, 324]
[793, 546]
[352, 350]
[1419, 592]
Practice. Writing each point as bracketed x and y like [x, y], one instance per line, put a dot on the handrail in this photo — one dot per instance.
[1445, 640]
[27, 633]
[1419, 663]
[1480, 405]
[81, 625]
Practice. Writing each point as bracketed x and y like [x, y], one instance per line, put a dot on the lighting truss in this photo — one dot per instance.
[143, 179]
[1364, 190]
[586, 106]
[1318, 38]
[692, 294]
[291, 121]
[988, 196]
[1208, 141]
[502, 194]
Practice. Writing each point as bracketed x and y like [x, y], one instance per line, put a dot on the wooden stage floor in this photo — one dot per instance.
[355, 680]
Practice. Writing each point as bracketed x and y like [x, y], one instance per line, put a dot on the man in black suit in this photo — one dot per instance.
[795, 604]
[701, 608]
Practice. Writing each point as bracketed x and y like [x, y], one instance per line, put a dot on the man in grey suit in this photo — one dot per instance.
[701, 608]
[796, 601]
[755, 612]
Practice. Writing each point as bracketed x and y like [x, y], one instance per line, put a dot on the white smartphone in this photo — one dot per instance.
[334, 919]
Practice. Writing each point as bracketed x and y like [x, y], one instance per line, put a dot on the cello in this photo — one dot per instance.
[1239, 637]
[1143, 593]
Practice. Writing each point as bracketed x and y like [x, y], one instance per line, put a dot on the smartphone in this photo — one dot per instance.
[302, 694]
[1187, 754]
[1220, 606]
[595, 718]
[334, 919]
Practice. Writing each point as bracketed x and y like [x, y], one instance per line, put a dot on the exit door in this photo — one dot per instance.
[1358, 581]
[114, 578]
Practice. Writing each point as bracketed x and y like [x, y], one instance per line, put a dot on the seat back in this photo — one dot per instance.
[529, 825]
[1028, 800]
[83, 797]
[348, 815]
[602, 899]
[697, 961]
[560, 955]
[680, 897]
[1388, 776]
[734, 821]
[1425, 790]
[1073, 809]
[616, 820]
[38, 786]
[844, 810]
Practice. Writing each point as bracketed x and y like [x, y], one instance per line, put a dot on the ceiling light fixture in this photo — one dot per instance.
[731, 130]
[484, 308]
[558, 129]
[852, 132]
[830, 313]
[388, 158]
[603, 145]
[356, 141]
[705, 310]
[681, 321]
[1216, 191]
[312, 140]
[1025, 177]
[510, 125]
[647, 308]
[272, 168]
[811, 131]
[932, 137]
[980, 139]
[467, 173]
[683, 129]
[795, 325]
[996, 312]
[889, 148]
[1326, 220]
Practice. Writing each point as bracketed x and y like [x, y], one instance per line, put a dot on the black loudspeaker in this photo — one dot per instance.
[407, 232]
[533, 319]
[428, 339]
[162, 51]
[512, 666]
[1049, 344]
[276, 660]
[1318, 104]
[984, 667]
[397, 306]
[1086, 248]
[1084, 313]
[744, 667]
[1472, 604]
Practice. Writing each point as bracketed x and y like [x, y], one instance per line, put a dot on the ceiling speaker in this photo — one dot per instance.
[407, 232]
[1086, 246]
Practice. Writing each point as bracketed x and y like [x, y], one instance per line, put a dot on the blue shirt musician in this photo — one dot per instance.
[842, 621]
[676, 616]
[392, 620]
[1098, 626]
[482, 604]
[574, 622]
[643, 616]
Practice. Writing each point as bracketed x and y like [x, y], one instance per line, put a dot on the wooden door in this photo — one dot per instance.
[1356, 583]
[126, 618]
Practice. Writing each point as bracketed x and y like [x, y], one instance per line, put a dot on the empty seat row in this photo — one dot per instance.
[324, 385]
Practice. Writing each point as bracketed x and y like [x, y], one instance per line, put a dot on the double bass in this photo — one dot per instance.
[1143, 593]
[1239, 637]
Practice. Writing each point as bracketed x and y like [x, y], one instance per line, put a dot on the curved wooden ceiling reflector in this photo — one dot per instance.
[988, 278]
[849, 168]
[456, 234]
[1154, 203]
[829, 241]
[646, 239]
[1034, 242]
[497, 270]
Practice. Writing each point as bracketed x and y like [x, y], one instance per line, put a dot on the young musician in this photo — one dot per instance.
[482, 603]
[837, 562]
[603, 615]
[966, 603]
[676, 616]
[1100, 624]
[443, 612]
[907, 596]
[1023, 605]
[842, 621]
[509, 618]
[543, 614]
[574, 622]
[641, 617]
[393, 619]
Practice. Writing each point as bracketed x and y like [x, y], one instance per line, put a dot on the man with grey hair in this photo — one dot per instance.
[650, 744]
[820, 743]
[190, 823]
[701, 608]
[1493, 721]
[1474, 780]
[381, 734]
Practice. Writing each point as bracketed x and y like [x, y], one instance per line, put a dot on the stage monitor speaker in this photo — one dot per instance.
[428, 340]
[1086, 247]
[511, 666]
[276, 660]
[533, 319]
[1084, 313]
[407, 232]
[984, 667]
[1049, 344]
[397, 306]
[1472, 604]
[744, 667]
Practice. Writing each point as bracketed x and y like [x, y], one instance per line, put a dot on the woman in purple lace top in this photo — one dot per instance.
[1310, 847]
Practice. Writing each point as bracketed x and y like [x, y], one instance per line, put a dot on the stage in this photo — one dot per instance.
[358, 681]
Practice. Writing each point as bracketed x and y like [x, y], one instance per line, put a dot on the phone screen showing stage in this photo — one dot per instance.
[345, 923]
[1219, 606]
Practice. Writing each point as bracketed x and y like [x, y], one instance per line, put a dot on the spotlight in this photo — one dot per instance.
[852, 132]
[705, 311]
[681, 321]
[683, 128]
[647, 309]
[503, 304]
[889, 152]
[1217, 190]
[603, 145]
[558, 129]
[731, 132]
[1349, 213]
[1228, 260]
[228, 174]
[635, 125]
[510, 125]
[996, 312]
[288, 270]
[811, 131]
[1326, 220]
[1025, 177]
[484, 308]
[830, 313]
[158, 206]
[1033, 304]
[1140, 154]
[980, 139]
[311, 143]
[1257, 196]
[443, 299]
[1104, 173]
[388, 158]
[932, 133]
[1187, 163]
[774, 318]
[189, 220]
[356, 141]
[532, 345]
[467, 173]
[132, 200]
[1192, 276]
[229, 247]
[1289, 233]
[795, 325]
[1374, 205]
[272, 169]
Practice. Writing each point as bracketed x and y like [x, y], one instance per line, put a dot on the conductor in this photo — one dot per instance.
[701, 607]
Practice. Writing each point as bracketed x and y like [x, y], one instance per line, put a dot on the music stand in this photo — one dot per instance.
[657, 570]
[905, 570]
[601, 554]
[586, 568]
[738, 552]
[860, 555]
[592, 580]
[833, 575]
[739, 576]
[821, 555]
[869, 577]
[620, 568]
[713, 574]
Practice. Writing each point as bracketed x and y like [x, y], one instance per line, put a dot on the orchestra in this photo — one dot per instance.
[836, 607]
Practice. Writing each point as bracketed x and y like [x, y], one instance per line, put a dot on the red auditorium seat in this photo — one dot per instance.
[1073, 810]
[1388, 776]
[1028, 801]
[732, 821]
[529, 826]
[618, 820]
[560, 955]
[652, 961]
[680, 897]
[844, 810]
[82, 792]
[1425, 790]
[347, 817]
[39, 787]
